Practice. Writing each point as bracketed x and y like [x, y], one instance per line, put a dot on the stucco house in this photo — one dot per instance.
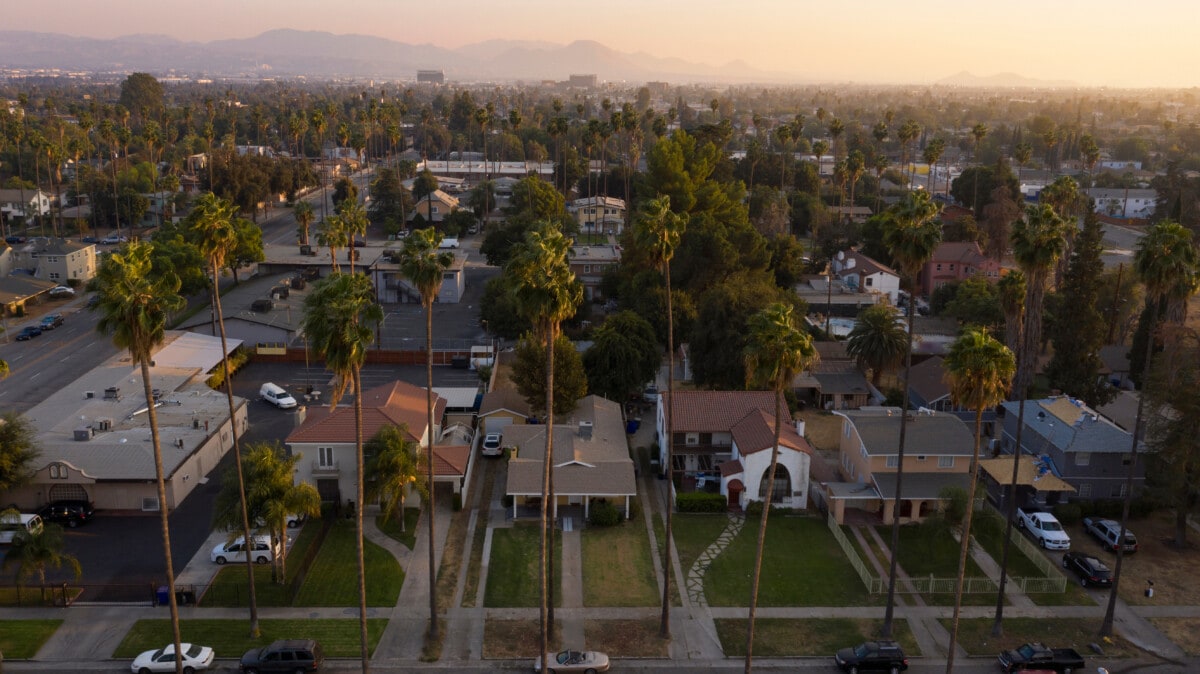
[865, 275]
[599, 214]
[744, 477]
[589, 264]
[501, 408]
[59, 260]
[435, 207]
[24, 204]
[954, 261]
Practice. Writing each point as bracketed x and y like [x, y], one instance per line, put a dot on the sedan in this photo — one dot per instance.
[62, 291]
[195, 658]
[589, 662]
[51, 321]
[1091, 571]
[28, 333]
[491, 445]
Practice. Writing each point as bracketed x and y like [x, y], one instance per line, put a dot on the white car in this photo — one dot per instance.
[236, 552]
[277, 396]
[569, 662]
[449, 242]
[195, 658]
[491, 445]
[62, 291]
[113, 240]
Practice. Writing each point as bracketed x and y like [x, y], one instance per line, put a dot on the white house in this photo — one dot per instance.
[1123, 203]
[24, 203]
[744, 478]
[865, 275]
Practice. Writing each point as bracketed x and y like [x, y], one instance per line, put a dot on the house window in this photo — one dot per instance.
[952, 267]
[1119, 490]
[150, 504]
[678, 462]
[870, 281]
[704, 462]
[325, 457]
[587, 268]
[434, 210]
[58, 471]
[54, 276]
[939, 267]
[945, 462]
[782, 487]
[892, 461]
[1085, 490]
[692, 439]
[1083, 458]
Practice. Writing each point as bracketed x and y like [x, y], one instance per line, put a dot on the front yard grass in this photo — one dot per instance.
[333, 578]
[1020, 566]
[229, 589]
[693, 533]
[792, 543]
[617, 568]
[35, 595]
[475, 564]
[513, 574]
[230, 638]
[625, 638]
[391, 527]
[511, 639]
[926, 552]
[788, 637]
[22, 639]
[975, 636]
[1183, 632]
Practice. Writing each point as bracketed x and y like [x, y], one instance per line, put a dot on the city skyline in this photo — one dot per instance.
[799, 40]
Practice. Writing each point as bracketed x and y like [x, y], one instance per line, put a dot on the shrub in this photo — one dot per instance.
[1068, 513]
[954, 508]
[604, 514]
[700, 502]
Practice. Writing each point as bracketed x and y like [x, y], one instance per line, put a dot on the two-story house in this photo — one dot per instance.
[434, 207]
[937, 455]
[1123, 203]
[864, 274]
[58, 260]
[955, 261]
[599, 214]
[589, 264]
[1075, 443]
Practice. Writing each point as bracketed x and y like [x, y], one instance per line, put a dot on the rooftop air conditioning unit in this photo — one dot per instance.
[104, 424]
[83, 434]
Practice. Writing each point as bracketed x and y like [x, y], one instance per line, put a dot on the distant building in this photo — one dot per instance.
[57, 260]
[599, 214]
[658, 88]
[589, 263]
[431, 76]
[1123, 203]
[955, 261]
[582, 81]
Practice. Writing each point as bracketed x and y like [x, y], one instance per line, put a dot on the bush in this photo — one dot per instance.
[700, 502]
[955, 506]
[1068, 513]
[604, 514]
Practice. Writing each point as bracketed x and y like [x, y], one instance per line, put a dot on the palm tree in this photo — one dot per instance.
[856, 165]
[395, 468]
[331, 232]
[134, 303]
[658, 232]
[211, 229]
[877, 340]
[784, 135]
[775, 353]
[911, 235]
[272, 495]
[836, 129]
[423, 265]
[978, 133]
[979, 370]
[1011, 288]
[1022, 152]
[354, 219]
[545, 292]
[910, 130]
[32, 553]
[303, 212]
[1037, 242]
[338, 315]
[879, 164]
[1167, 264]
[933, 152]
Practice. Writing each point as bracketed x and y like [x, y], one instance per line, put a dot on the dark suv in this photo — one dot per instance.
[872, 656]
[289, 655]
[70, 513]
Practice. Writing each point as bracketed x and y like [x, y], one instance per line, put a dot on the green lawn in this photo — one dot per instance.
[229, 588]
[808, 637]
[333, 578]
[931, 551]
[694, 533]
[513, 576]
[802, 566]
[617, 567]
[21, 639]
[230, 638]
[991, 539]
[975, 636]
[33, 595]
[391, 527]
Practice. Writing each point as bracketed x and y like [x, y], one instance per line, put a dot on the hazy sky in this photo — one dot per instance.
[1092, 42]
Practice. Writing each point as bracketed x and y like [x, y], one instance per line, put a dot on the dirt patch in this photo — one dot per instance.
[821, 429]
[511, 639]
[625, 638]
[1183, 632]
[1171, 568]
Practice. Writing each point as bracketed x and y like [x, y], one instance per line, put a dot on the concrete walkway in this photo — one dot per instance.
[695, 577]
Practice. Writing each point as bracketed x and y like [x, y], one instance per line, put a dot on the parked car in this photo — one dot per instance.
[285, 655]
[113, 239]
[651, 395]
[29, 332]
[1044, 528]
[575, 661]
[14, 239]
[449, 242]
[51, 321]
[68, 512]
[13, 523]
[277, 396]
[491, 445]
[89, 239]
[62, 291]
[1038, 656]
[872, 656]
[1091, 571]
[194, 659]
[236, 551]
[1108, 532]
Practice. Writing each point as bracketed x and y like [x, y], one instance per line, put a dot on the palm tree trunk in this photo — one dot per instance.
[433, 618]
[886, 631]
[164, 521]
[665, 621]
[358, 520]
[762, 531]
[965, 544]
[237, 457]
[546, 553]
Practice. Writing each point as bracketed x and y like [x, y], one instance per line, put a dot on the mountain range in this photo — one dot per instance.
[1002, 80]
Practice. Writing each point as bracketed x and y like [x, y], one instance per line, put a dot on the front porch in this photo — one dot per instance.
[569, 510]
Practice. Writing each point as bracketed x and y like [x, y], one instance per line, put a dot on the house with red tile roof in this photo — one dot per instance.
[721, 441]
[326, 439]
[955, 261]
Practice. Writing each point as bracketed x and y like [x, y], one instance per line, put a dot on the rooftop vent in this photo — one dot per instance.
[585, 430]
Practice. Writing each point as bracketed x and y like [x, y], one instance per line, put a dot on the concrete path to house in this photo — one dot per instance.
[464, 636]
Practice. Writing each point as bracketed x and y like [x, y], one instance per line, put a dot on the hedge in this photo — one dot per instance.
[701, 502]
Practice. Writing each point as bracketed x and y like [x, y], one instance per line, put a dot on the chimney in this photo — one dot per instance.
[585, 430]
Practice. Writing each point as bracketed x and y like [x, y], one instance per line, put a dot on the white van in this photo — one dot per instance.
[12, 523]
[277, 396]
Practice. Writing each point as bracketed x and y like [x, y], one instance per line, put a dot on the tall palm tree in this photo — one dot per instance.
[836, 129]
[303, 212]
[395, 467]
[1037, 243]
[979, 370]
[911, 235]
[776, 351]
[1167, 263]
[423, 265]
[784, 135]
[1022, 152]
[856, 165]
[1011, 289]
[135, 301]
[331, 233]
[544, 291]
[910, 130]
[978, 133]
[658, 231]
[354, 219]
[338, 316]
[933, 152]
[877, 340]
[211, 229]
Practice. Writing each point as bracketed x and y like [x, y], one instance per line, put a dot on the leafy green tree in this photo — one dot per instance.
[877, 341]
[529, 374]
[979, 370]
[395, 468]
[721, 327]
[1172, 418]
[500, 241]
[390, 201]
[339, 316]
[535, 200]
[424, 265]
[623, 356]
[1079, 330]
[963, 187]
[32, 553]
[787, 260]
[134, 305]
[344, 190]
[498, 311]
[141, 94]
[247, 246]
[976, 302]
[777, 350]
[18, 449]
[174, 254]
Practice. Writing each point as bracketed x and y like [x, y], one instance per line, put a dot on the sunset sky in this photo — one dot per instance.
[1095, 42]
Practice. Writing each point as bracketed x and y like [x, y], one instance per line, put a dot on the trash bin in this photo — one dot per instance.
[632, 425]
[162, 595]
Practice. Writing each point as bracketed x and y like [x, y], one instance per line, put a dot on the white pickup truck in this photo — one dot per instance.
[1043, 528]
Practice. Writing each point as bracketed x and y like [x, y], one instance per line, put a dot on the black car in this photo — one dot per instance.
[51, 321]
[28, 333]
[68, 512]
[287, 655]
[1091, 571]
[872, 656]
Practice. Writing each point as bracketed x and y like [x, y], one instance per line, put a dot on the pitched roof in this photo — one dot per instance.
[1070, 426]
[1000, 470]
[588, 460]
[499, 399]
[394, 404]
[967, 252]
[862, 264]
[847, 381]
[448, 460]
[926, 378]
[929, 434]
[756, 432]
[716, 411]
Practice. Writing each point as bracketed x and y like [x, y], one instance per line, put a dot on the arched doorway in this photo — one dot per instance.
[735, 490]
[68, 492]
[781, 491]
